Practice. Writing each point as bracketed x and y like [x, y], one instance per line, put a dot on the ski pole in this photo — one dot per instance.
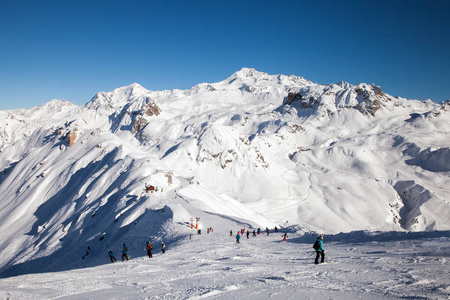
[311, 254]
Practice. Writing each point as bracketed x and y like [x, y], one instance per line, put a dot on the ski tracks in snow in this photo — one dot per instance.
[214, 266]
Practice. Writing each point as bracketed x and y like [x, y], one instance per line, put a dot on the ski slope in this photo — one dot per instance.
[213, 266]
[253, 150]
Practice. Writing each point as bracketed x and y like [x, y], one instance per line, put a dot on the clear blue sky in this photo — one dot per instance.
[73, 49]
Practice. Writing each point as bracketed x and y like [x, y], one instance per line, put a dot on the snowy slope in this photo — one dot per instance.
[253, 150]
[359, 265]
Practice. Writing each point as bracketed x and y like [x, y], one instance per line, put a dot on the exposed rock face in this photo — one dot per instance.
[151, 109]
[138, 124]
[72, 137]
[368, 99]
[127, 107]
[292, 97]
[148, 110]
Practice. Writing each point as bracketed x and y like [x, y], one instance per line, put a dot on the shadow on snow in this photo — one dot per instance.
[363, 236]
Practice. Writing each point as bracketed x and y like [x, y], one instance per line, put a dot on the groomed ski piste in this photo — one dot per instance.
[358, 265]
[368, 170]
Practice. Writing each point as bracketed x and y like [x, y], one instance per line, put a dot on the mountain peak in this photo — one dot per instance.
[247, 72]
[117, 97]
[250, 151]
[134, 89]
[55, 105]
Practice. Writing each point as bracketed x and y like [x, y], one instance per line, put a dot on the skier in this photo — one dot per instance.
[276, 229]
[231, 232]
[125, 252]
[254, 232]
[259, 231]
[319, 250]
[111, 256]
[163, 247]
[238, 237]
[149, 250]
[284, 236]
[267, 231]
[248, 234]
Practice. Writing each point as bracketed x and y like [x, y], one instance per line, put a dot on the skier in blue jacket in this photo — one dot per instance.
[111, 256]
[124, 252]
[320, 252]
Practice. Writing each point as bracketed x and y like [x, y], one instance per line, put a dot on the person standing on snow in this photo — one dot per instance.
[124, 252]
[319, 250]
[248, 234]
[238, 237]
[231, 232]
[284, 236]
[163, 247]
[111, 256]
[149, 250]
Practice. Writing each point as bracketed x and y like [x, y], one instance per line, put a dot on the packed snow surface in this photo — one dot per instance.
[254, 150]
[213, 266]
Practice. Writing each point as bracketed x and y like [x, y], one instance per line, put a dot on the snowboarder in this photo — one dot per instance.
[238, 238]
[163, 247]
[267, 231]
[111, 256]
[125, 252]
[320, 252]
[284, 236]
[149, 250]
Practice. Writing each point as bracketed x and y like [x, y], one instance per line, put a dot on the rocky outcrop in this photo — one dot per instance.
[368, 99]
[71, 137]
[138, 124]
[148, 110]
[372, 98]
[151, 109]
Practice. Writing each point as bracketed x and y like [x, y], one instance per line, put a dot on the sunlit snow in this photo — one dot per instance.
[368, 170]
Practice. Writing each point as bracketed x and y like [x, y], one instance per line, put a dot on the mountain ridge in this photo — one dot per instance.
[252, 150]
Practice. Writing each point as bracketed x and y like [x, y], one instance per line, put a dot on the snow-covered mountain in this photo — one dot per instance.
[253, 150]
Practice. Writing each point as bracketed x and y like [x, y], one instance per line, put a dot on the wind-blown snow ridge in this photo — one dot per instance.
[252, 150]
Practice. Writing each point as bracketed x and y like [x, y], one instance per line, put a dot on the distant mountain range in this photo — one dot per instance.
[255, 150]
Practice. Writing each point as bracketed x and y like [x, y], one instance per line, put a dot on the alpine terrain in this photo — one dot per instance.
[368, 170]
